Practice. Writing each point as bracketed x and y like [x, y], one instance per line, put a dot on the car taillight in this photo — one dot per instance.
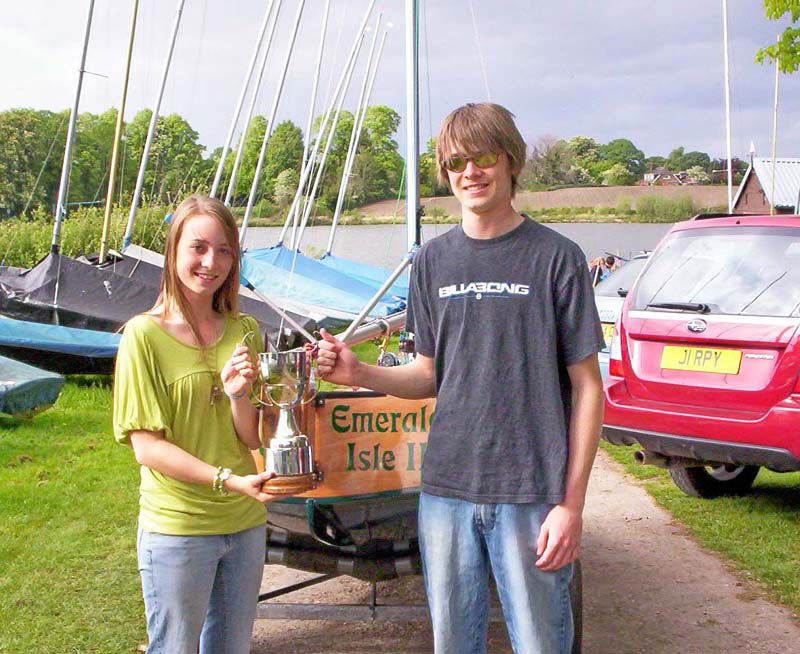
[615, 357]
[796, 390]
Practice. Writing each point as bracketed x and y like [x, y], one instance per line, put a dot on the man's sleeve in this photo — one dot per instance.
[579, 330]
[418, 318]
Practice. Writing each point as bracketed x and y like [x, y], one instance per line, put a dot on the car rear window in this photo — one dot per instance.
[732, 270]
[621, 279]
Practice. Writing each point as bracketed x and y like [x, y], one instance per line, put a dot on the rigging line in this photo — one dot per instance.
[430, 109]
[480, 52]
[41, 170]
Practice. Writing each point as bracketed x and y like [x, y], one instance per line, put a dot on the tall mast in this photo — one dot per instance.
[254, 98]
[727, 104]
[239, 104]
[355, 134]
[774, 135]
[65, 166]
[128, 239]
[270, 125]
[117, 134]
[412, 123]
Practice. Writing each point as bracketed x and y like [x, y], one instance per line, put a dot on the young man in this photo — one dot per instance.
[507, 337]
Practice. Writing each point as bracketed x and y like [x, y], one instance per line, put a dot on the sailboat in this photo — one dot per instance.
[26, 390]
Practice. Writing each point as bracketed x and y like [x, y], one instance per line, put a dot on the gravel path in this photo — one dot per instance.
[648, 587]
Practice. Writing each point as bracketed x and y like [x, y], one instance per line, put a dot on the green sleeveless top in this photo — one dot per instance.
[162, 384]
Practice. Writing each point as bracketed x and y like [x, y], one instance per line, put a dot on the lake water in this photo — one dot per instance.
[385, 245]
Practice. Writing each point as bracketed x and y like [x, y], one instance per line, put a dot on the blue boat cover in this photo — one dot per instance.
[25, 390]
[53, 338]
[369, 274]
[274, 271]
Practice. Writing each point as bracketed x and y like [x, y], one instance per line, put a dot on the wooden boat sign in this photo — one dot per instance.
[366, 443]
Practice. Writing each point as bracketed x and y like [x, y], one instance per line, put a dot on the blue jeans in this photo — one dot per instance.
[201, 591]
[460, 542]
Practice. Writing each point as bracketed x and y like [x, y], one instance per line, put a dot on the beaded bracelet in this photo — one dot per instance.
[237, 396]
[221, 475]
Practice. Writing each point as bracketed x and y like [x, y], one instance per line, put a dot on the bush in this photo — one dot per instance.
[665, 210]
[26, 242]
[623, 205]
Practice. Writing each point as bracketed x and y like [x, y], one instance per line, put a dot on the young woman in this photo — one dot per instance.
[181, 400]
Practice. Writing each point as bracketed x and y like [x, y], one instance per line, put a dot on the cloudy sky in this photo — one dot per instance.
[651, 72]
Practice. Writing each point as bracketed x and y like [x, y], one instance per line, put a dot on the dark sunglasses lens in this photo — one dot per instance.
[485, 159]
[455, 164]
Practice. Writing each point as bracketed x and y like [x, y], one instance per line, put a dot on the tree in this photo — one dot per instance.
[378, 167]
[429, 184]
[549, 163]
[623, 151]
[650, 163]
[176, 165]
[584, 150]
[698, 175]
[787, 50]
[26, 137]
[284, 152]
[618, 175]
[285, 187]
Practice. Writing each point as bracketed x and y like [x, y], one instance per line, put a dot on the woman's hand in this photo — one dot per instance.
[238, 372]
[250, 485]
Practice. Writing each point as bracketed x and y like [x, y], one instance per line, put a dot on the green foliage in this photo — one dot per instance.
[623, 206]
[26, 137]
[787, 50]
[618, 175]
[679, 160]
[655, 208]
[285, 187]
[23, 242]
[622, 151]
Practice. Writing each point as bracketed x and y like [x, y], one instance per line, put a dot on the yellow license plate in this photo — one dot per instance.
[704, 359]
[608, 332]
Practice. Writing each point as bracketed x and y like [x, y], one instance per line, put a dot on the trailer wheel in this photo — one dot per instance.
[714, 480]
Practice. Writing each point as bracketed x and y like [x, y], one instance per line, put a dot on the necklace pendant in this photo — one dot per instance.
[215, 393]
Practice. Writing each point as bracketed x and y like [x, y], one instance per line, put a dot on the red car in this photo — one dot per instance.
[705, 357]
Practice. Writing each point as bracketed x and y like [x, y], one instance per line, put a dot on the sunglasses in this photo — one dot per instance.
[458, 163]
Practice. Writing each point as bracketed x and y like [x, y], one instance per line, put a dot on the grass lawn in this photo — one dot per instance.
[68, 506]
[758, 532]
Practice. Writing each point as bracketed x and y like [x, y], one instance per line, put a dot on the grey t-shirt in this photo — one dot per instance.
[502, 318]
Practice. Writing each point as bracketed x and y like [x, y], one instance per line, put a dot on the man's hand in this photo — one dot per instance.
[559, 538]
[336, 362]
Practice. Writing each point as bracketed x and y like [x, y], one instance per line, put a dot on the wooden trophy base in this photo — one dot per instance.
[289, 484]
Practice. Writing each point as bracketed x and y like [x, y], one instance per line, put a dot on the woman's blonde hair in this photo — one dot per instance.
[171, 295]
[481, 127]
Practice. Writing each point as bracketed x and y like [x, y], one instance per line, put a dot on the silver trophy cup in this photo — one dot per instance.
[287, 383]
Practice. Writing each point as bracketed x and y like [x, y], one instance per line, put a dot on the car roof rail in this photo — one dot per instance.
[723, 214]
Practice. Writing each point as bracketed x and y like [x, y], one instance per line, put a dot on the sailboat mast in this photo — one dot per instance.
[270, 125]
[240, 104]
[358, 121]
[254, 98]
[727, 104]
[61, 210]
[128, 239]
[117, 134]
[412, 124]
[774, 135]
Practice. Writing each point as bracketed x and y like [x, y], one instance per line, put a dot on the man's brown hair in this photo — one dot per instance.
[481, 127]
